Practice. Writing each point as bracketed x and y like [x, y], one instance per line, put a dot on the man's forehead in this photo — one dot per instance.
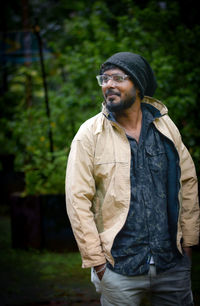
[114, 71]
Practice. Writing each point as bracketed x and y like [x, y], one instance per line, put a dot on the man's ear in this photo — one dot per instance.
[138, 94]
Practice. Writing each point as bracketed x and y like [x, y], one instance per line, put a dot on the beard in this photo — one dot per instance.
[123, 104]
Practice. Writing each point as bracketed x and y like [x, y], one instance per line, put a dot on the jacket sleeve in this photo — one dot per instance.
[80, 190]
[189, 217]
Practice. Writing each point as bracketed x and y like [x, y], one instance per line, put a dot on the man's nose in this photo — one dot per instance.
[111, 83]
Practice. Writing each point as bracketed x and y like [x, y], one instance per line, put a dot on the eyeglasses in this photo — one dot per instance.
[103, 79]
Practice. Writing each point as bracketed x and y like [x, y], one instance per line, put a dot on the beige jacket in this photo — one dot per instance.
[98, 186]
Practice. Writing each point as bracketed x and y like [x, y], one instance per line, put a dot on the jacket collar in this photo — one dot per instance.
[157, 104]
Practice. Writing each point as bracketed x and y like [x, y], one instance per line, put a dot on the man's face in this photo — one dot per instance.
[118, 96]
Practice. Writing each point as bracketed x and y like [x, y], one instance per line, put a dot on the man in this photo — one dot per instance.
[131, 192]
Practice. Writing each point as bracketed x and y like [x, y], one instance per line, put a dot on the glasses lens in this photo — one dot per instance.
[103, 79]
[106, 78]
[118, 78]
[99, 79]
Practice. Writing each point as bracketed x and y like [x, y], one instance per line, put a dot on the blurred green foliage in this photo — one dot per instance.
[87, 36]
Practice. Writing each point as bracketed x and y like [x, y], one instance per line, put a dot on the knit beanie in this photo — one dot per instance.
[137, 68]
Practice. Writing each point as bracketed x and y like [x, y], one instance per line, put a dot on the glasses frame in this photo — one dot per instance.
[110, 77]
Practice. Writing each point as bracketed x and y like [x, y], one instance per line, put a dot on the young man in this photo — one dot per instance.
[131, 192]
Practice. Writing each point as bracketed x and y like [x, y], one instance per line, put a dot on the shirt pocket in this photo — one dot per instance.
[157, 159]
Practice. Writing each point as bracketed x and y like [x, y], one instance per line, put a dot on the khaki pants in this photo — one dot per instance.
[172, 287]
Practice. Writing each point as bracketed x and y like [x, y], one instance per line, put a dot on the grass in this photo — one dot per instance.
[38, 276]
[34, 277]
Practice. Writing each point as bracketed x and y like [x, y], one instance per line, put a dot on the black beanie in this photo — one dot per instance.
[137, 68]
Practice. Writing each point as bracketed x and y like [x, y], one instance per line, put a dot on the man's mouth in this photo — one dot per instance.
[111, 94]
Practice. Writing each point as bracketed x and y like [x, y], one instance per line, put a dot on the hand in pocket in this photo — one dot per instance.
[100, 270]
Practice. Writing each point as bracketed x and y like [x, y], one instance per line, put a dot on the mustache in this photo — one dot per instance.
[111, 92]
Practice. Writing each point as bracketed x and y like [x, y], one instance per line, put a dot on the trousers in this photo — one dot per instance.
[171, 287]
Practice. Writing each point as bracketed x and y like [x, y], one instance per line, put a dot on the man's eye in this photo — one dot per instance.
[105, 78]
[118, 78]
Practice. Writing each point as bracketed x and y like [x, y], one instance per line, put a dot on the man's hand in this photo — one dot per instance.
[100, 270]
[188, 251]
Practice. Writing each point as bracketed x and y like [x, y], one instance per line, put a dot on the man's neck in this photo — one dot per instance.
[131, 120]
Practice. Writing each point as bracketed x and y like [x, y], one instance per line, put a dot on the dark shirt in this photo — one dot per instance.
[145, 232]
